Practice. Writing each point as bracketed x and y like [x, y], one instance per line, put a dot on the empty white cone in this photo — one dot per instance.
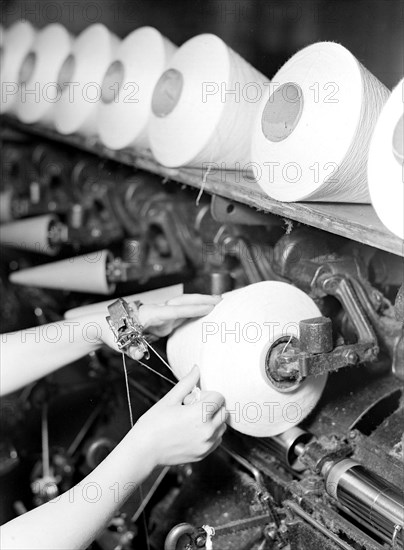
[86, 273]
[30, 234]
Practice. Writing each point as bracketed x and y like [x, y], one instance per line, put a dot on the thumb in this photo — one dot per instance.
[184, 386]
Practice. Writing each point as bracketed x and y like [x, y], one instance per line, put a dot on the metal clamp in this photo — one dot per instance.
[127, 330]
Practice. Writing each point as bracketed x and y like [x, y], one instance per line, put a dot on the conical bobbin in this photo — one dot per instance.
[86, 273]
[31, 234]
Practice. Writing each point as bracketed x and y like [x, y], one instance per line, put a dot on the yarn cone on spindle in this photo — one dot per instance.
[86, 273]
[231, 347]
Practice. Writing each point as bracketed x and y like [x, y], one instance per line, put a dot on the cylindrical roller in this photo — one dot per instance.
[157, 296]
[16, 43]
[31, 234]
[368, 496]
[86, 273]
[283, 446]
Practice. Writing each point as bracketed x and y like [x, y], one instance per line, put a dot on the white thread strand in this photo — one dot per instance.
[155, 371]
[131, 425]
[45, 442]
[125, 371]
[159, 356]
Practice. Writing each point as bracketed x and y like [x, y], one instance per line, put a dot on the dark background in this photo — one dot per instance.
[265, 32]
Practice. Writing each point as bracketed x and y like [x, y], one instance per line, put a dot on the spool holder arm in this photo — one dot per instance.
[313, 353]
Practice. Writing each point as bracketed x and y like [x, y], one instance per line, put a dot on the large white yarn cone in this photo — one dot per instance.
[385, 165]
[39, 75]
[16, 43]
[127, 89]
[204, 105]
[230, 347]
[311, 136]
[81, 77]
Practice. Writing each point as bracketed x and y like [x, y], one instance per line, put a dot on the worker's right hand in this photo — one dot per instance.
[176, 433]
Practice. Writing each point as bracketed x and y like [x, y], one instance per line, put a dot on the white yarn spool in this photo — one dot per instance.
[203, 106]
[81, 77]
[128, 86]
[39, 74]
[385, 165]
[16, 43]
[315, 128]
[234, 363]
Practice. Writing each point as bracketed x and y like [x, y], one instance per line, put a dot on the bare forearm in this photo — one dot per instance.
[75, 518]
[30, 354]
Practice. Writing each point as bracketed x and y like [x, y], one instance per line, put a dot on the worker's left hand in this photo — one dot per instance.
[162, 319]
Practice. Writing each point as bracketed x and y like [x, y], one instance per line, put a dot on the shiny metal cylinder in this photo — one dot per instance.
[284, 447]
[368, 496]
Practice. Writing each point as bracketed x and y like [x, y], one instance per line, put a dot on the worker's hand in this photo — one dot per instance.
[162, 319]
[175, 433]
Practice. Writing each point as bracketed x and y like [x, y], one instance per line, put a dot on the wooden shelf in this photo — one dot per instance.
[354, 221]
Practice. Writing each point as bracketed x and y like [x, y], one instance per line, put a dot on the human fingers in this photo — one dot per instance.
[186, 311]
[194, 299]
[212, 397]
[183, 388]
[156, 316]
[192, 397]
[219, 418]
